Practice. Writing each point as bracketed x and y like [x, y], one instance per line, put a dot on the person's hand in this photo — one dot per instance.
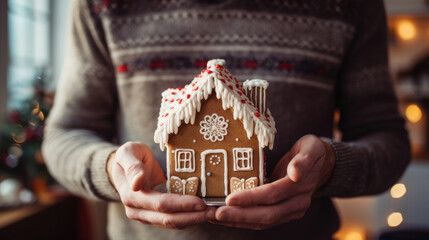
[134, 171]
[304, 169]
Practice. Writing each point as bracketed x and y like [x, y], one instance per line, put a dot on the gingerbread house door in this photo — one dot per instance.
[214, 173]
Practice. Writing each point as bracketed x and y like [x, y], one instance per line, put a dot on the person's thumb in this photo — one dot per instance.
[299, 167]
[129, 157]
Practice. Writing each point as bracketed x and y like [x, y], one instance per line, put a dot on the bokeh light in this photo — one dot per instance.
[353, 236]
[398, 190]
[18, 134]
[413, 113]
[394, 219]
[406, 29]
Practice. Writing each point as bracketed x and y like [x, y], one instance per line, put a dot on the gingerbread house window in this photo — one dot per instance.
[243, 159]
[185, 160]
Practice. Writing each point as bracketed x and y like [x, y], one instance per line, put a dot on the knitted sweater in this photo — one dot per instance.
[318, 55]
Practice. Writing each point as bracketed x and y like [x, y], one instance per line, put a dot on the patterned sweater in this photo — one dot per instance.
[318, 55]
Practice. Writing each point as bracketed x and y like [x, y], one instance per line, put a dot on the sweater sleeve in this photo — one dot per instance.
[374, 150]
[81, 125]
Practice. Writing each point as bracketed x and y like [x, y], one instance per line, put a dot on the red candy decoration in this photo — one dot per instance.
[230, 87]
[257, 114]
[188, 96]
[243, 101]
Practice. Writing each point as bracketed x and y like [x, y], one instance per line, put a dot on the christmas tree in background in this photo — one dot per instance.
[21, 137]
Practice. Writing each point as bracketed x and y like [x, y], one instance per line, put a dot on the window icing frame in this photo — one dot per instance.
[177, 161]
[249, 159]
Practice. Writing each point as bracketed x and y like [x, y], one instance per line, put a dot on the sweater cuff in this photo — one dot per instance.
[101, 184]
[343, 176]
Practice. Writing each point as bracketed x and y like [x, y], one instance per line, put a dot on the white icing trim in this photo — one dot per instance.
[203, 170]
[248, 84]
[177, 167]
[212, 63]
[184, 182]
[183, 105]
[259, 89]
[249, 166]
[243, 182]
[261, 165]
[168, 171]
[214, 127]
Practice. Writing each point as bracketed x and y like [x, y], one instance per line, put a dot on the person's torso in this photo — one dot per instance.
[297, 46]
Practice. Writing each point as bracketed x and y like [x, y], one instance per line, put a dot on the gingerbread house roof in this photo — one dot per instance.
[182, 104]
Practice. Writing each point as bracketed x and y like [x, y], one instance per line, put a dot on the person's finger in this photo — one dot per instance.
[266, 194]
[153, 200]
[177, 220]
[260, 226]
[132, 157]
[269, 215]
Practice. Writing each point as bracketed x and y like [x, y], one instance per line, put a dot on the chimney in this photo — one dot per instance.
[256, 91]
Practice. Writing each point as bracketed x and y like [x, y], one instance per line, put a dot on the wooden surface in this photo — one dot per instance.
[55, 220]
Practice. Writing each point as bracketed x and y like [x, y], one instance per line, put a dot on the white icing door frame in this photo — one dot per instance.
[203, 169]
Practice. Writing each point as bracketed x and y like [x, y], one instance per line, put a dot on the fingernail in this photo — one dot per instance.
[199, 207]
[233, 202]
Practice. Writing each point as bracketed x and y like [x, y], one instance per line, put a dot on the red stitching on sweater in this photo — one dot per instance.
[122, 68]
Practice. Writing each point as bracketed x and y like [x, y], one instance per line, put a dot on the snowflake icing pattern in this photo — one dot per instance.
[214, 127]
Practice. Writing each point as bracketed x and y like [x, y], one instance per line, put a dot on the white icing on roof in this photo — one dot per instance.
[181, 105]
[255, 83]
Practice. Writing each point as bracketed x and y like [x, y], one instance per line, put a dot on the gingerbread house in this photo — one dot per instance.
[215, 130]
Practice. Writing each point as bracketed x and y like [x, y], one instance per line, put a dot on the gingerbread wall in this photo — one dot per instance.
[189, 137]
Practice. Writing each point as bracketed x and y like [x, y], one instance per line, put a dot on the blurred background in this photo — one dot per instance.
[32, 44]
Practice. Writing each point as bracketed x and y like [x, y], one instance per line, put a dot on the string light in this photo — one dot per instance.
[406, 30]
[394, 219]
[413, 113]
[398, 190]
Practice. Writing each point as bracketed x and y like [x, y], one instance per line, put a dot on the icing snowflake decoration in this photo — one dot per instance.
[214, 127]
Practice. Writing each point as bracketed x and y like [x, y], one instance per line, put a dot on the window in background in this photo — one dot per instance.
[29, 43]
